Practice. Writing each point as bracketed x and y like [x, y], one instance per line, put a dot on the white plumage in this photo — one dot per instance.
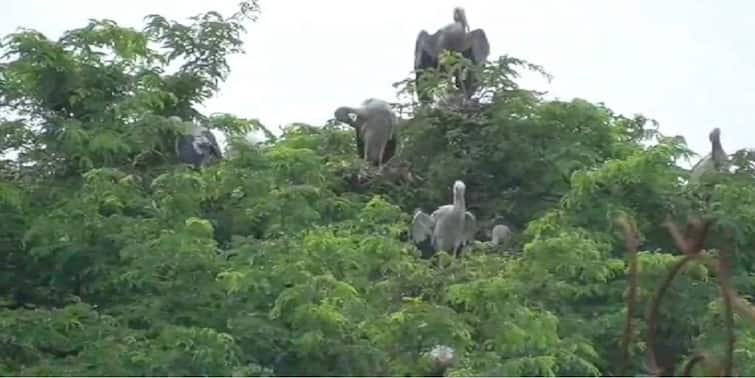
[449, 227]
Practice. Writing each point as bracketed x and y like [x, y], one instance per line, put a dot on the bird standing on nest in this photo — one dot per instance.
[376, 129]
[449, 227]
[455, 37]
[716, 160]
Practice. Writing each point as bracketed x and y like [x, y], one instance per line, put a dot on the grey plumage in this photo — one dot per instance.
[455, 37]
[449, 227]
[375, 127]
[441, 357]
[500, 234]
[717, 159]
[196, 147]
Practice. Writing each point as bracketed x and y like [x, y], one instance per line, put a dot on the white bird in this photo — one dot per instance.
[198, 147]
[449, 227]
[717, 159]
[376, 128]
[455, 37]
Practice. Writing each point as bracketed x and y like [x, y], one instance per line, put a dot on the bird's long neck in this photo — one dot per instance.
[717, 153]
[461, 19]
[459, 202]
[716, 146]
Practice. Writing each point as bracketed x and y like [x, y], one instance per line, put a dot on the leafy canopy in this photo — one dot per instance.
[116, 260]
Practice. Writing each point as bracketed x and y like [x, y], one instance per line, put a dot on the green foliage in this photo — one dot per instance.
[118, 261]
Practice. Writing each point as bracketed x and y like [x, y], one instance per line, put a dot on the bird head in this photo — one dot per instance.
[346, 115]
[715, 135]
[460, 16]
[459, 186]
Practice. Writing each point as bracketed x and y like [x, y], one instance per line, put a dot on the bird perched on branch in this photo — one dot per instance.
[500, 236]
[717, 159]
[376, 129]
[441, 357]
[455, 37]
[197, 146]
[449, 227]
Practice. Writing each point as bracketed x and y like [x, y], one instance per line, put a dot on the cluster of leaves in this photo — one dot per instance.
[115, 260]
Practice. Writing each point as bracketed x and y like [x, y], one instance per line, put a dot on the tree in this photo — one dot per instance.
[119, 261]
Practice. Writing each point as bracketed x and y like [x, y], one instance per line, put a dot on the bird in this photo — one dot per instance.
[500, 235]
[449, 227]
[441, 358]
[455, 37]
[717, 159]
[375, 127]
[198, 147]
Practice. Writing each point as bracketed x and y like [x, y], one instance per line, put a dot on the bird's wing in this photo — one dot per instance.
[422, 226]
[470, 226]
[440, 211]
[213, 143]
[184, 134]
[390, 149]
[478, 47]
[424, 48]
[358, 140]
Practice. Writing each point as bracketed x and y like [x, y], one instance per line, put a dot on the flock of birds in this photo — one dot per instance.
[451, 227]
[374, 121]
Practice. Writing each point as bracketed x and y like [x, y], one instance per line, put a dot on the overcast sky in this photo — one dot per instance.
[682, 62]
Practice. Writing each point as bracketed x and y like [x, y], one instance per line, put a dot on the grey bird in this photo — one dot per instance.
[717, 159]
[500, 235]
[197, 147]
[449, 227]
[455, 37]
[441, 357]
[375, 127]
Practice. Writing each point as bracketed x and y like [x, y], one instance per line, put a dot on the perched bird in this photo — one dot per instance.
[376, 129]
[441, 357]
[449, 227]
[455, 37]
[198, 147]
[500, 234]
[717, 159]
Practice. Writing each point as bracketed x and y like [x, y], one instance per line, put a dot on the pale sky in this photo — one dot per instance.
[682, 62]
